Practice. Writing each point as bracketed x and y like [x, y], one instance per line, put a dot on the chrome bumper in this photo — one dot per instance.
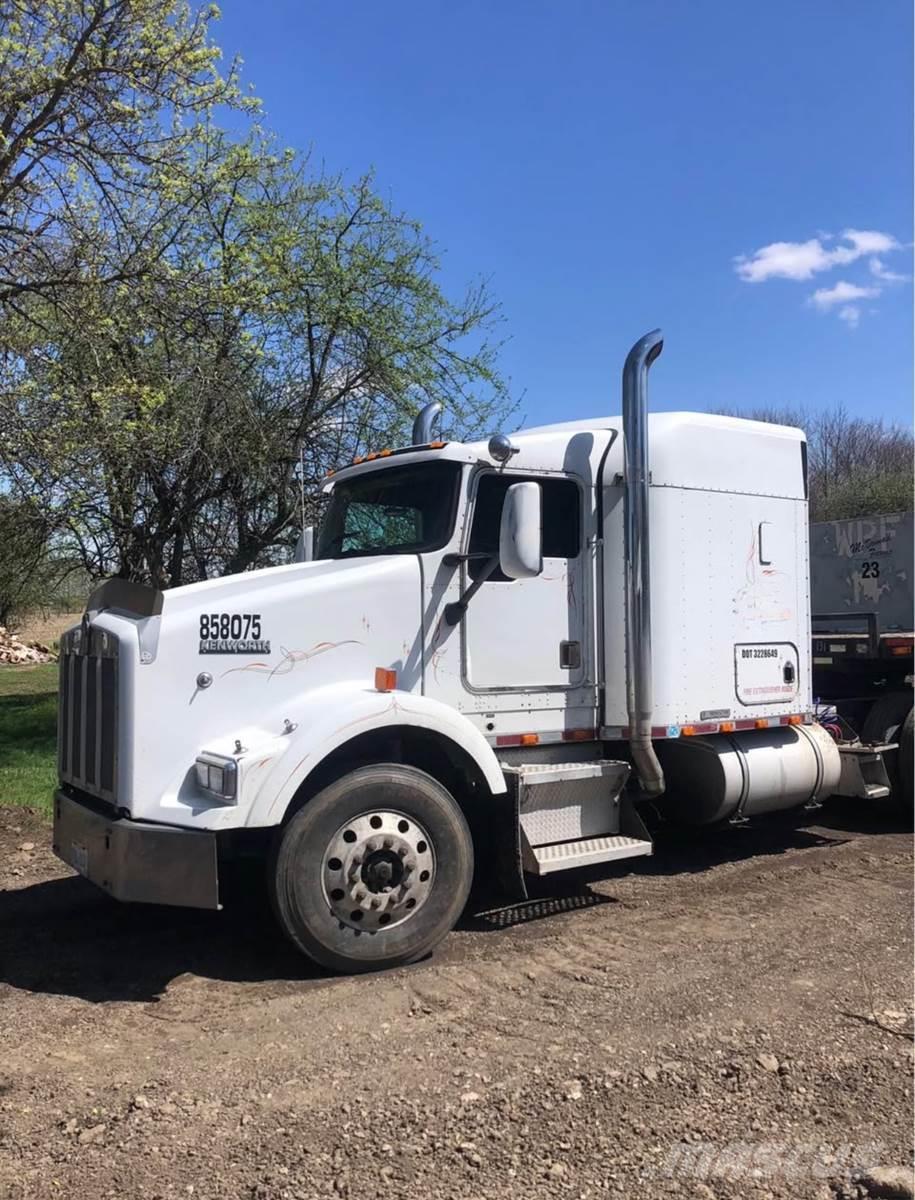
[135, 860]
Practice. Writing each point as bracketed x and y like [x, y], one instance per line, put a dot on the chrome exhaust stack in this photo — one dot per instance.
[422, 426]
[639, 699]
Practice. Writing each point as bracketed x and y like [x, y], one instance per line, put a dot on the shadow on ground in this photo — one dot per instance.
[64, 937]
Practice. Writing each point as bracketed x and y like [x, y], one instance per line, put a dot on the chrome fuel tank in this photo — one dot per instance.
[745, 774]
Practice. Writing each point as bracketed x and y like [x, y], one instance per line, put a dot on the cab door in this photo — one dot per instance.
[527, 634]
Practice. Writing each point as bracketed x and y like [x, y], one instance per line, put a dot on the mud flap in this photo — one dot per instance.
[509, 867]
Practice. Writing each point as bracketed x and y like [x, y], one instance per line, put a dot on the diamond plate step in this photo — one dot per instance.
[875, 791]
[562, 856]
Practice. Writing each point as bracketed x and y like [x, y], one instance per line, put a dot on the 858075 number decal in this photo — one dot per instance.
[232, 633]
[230, 625]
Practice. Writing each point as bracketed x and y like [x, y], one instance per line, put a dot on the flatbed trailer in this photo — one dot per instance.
[863, 633]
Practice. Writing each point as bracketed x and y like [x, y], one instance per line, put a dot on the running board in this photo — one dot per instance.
[568, 815]
[563, 856]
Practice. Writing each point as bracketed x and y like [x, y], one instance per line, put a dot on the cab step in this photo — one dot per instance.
[563, 856]
[573, 814]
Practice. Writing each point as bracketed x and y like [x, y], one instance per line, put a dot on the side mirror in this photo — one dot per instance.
[305, 546]
[521, 532]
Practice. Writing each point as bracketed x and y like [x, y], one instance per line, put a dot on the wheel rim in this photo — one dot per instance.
[378, 870]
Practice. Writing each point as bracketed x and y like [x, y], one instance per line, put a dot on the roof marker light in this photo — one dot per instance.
[385, 679]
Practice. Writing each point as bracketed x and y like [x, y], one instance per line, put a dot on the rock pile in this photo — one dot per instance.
[12, 650]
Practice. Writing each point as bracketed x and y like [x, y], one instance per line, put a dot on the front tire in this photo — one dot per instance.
[373, 871]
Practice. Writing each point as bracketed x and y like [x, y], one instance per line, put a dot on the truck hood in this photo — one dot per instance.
[235, 657]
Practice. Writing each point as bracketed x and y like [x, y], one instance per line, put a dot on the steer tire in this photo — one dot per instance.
[373, 871]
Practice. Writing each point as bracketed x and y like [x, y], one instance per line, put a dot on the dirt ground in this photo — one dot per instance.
[729, 1019]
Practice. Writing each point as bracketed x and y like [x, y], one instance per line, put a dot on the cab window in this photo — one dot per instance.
[561, 499]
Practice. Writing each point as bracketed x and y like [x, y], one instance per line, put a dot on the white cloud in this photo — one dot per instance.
[869, 241]
[841, 293]
[851, 315]
[801, 260]
[879, 271]
[783, 260]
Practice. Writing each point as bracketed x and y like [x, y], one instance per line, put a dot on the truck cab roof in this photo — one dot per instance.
[704, 451]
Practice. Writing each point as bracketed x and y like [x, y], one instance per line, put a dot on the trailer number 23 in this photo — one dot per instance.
[870, 570]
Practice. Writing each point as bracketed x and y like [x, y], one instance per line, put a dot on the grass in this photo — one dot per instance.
[28, 735]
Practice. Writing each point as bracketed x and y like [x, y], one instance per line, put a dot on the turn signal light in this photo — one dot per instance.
[385, 679]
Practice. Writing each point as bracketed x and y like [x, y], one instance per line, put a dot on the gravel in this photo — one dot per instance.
[729, 1019]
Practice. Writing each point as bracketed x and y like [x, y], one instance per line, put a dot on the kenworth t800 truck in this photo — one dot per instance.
[502, 650]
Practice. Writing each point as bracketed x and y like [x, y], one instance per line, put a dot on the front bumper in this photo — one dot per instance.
[136, 860]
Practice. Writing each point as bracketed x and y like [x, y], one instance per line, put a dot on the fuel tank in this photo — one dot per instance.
[745, 774]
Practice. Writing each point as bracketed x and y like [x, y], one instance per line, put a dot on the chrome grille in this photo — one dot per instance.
[87, 730]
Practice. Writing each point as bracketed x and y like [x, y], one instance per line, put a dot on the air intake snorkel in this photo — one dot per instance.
[422, 426]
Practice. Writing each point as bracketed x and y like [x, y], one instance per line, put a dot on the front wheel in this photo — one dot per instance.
[373, 871]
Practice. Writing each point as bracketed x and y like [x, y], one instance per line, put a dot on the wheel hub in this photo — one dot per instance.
[378, 870]
[382, 871]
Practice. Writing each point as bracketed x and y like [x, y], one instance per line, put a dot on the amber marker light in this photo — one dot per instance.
[385, 679]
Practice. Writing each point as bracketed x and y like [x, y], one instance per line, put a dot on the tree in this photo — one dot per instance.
[857, 466]
[23, 557]
[99, 99]
[289, 319]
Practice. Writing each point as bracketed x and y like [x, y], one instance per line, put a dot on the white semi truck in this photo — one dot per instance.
[500, 650]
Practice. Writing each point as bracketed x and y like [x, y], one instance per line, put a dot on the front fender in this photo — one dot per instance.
[330, 716]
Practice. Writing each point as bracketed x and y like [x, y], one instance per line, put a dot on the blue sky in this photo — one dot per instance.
[606, 164]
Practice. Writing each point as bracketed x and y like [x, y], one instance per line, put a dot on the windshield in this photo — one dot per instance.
[398, 510]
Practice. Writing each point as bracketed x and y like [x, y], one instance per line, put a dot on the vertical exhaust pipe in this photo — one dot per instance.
[639, 700]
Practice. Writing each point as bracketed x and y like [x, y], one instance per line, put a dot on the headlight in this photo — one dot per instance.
[218, 776]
